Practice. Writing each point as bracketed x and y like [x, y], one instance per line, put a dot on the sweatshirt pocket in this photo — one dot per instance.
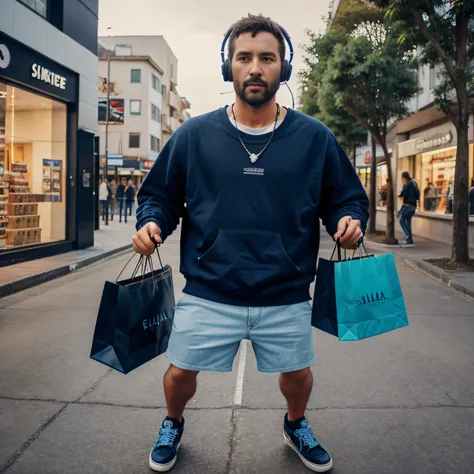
[247, 259]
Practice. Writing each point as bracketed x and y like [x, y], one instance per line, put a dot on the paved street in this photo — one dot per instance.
[400, 403]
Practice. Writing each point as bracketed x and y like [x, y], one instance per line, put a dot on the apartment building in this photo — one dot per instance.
[145, 107]
[48, 118]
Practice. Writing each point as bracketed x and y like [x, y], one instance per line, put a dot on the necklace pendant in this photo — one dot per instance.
[253, 157]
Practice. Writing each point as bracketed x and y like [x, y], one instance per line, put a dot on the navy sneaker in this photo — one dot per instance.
[306, 446]
[165, 452]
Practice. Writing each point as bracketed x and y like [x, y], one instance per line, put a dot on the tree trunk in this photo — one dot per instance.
[373, 186]
[461, 185]
[354, 149]
[390, 233]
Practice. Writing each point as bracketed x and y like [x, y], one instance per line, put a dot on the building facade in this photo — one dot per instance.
[48, 118]
[425, 144]
[145, 108]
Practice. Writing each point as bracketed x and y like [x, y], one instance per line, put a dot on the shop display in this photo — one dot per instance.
[52, 170]
[19, 219]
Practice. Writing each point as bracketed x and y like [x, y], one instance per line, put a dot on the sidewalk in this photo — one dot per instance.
[108, 240]
[426, 249]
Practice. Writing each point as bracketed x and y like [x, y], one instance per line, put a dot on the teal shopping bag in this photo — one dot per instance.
[369, 299]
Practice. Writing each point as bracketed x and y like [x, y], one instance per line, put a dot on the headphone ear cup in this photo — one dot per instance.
[227, 71]
[285, 71]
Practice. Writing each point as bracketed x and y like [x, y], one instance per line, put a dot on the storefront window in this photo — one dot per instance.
[32, 168]
[435, 173]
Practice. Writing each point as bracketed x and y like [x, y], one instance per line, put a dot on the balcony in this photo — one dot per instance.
[175, 100]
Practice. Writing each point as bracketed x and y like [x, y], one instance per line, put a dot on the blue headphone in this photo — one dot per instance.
[286, 67]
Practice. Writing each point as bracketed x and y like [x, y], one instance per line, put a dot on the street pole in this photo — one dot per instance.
[107, 128]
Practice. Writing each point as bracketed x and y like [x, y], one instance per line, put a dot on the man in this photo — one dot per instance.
[429, 195]
[384, 193]
[409, 195]
[104, 197]
[255, 178]
[129, 197]
[120, 196]
[113, 198]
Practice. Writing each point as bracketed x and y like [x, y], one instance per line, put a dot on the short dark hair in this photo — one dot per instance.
[406, 175]
[255, 24]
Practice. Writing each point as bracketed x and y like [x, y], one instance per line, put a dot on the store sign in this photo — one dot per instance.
[148, 165]
[367, 157]
[27, 67]
[43, 74]
[435, 141]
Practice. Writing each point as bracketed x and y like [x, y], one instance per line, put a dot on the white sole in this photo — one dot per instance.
[309, 465]
[163, 467]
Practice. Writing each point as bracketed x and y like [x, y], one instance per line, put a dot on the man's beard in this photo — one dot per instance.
[259, 98]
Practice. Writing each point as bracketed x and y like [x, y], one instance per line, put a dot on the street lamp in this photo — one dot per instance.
[107, 112]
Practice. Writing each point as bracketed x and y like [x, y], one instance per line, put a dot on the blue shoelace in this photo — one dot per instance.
[306, 434]
[166, 437]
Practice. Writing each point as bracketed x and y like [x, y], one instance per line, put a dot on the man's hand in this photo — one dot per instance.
[142, 240]
[349, 231]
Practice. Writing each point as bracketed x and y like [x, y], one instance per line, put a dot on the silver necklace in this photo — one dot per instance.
[255, 156]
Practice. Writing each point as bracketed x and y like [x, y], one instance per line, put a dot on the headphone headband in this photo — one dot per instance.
[286, 66]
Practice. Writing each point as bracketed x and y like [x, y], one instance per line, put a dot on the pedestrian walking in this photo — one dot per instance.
[410, 195]
[450, 197]
[250, 199]
[104, 195]
[113, 198]
[129, 197]
[120, 195]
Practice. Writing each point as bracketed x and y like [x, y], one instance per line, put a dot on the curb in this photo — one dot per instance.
[384, 246]
[38, 278]
[440, 275]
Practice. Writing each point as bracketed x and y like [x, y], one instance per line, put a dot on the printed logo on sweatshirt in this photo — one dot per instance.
[254, 171]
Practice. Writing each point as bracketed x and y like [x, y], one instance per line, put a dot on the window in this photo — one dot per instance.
[155, 83]
[154, 143]
[155, 113]
[38, 6]
[135, 107]
[135, 76]
[33, 168]
[123, 50]
[163, 90]
[134, 140]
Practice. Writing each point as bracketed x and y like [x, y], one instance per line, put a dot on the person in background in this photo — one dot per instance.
[113, 198]
[120, 196]
[471, 198]
[104, 200]
[384, 193]
[410, 195]
[450, 197]
[129, 197]
[429, 197]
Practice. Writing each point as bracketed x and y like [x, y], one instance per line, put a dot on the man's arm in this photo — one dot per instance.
[161, 196]
[344, 204]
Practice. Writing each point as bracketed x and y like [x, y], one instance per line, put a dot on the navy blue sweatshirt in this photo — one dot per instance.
[250, 233]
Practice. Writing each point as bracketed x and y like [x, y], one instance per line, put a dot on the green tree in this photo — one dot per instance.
[373, 82]
[445, 32]
[316, 104]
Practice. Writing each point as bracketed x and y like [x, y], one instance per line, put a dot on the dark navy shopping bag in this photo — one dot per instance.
[135, 318]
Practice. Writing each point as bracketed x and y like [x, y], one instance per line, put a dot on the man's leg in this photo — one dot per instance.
[403, 222]
[180, 386]
[409, 217]
[296, 388]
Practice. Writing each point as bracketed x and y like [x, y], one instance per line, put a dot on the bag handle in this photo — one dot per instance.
[142, 261]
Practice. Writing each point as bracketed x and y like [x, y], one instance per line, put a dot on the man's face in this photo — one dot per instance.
[256, 67]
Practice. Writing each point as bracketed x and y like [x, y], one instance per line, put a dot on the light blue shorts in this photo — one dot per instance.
[206, 335]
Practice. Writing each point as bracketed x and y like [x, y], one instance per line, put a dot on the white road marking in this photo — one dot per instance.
[239, 384]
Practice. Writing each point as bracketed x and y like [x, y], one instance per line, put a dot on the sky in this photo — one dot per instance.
[194, 29]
